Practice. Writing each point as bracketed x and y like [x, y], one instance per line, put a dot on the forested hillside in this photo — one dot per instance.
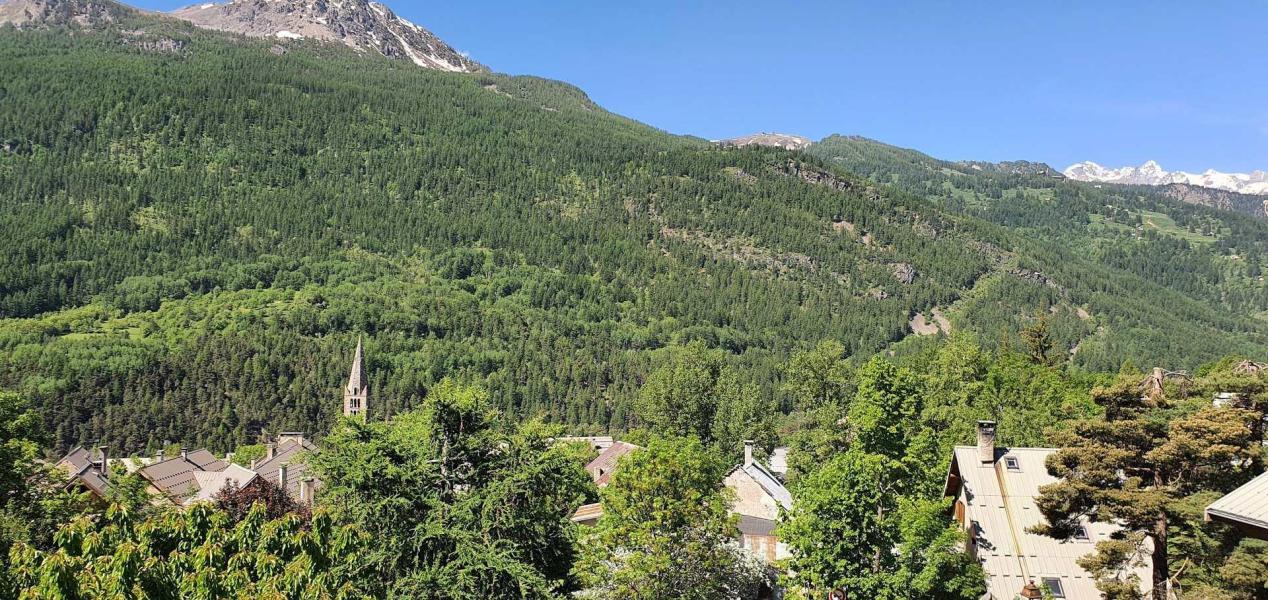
[195, 229]
[1210, 257]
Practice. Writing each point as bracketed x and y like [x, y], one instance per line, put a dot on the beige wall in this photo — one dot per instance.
[750, 498]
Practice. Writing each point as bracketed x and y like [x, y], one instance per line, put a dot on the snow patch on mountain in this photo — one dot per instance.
[1151, 173]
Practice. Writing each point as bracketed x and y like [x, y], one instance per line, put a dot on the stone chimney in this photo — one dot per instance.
[270, 451]
[986, 441]
[1031, 591]
[228, 457]
[184, 453]
[281, 477]
[306, 491]
[748, 452]
[105, 462]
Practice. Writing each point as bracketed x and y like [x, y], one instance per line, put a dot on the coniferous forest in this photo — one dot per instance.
[194, 238]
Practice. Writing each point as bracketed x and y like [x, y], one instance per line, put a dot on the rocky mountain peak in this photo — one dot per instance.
[39, 13]
[781, 140]
[360, 24]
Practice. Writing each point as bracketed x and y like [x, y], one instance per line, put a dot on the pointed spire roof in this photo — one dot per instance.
[356, 380]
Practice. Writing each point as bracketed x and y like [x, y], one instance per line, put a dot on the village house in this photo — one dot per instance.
[600, 470]
[198, 475]
[283, 466]
[995, 490]
[603, 465]
[598, 443]
[759, 496]
[1245, 508]
[88, 471]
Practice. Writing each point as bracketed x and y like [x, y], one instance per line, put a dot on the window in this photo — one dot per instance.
[1012, 463]
[1053, 585]
[1081, 534]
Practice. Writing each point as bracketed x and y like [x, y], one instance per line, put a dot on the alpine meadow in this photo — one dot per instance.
[590, 358]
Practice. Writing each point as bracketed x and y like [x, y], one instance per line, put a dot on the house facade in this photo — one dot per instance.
[758, 496]
[994, 490]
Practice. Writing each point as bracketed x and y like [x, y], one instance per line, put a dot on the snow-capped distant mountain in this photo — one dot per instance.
[1151, 173]
[361, 24]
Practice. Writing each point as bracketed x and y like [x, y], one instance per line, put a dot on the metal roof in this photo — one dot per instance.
[209, 483]
[1247, 504]
[750, 525]
[779, 460]
[1000, 509]
[79, 466]
[768, 482]
[175, 476]
[289, 453]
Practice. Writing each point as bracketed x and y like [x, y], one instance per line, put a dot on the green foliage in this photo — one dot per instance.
[33, 496]
[1131, 467]
[665, 530]
[19, 444]
[246, 454]
[695, 393]
[199, 278]
[459, 504]
[818, 377]
[195, 553]
[1153, 275]
[843, 525]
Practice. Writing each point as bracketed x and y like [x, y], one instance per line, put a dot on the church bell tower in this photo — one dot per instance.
[356, 395]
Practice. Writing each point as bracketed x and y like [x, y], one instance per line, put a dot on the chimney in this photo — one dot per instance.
[105, 463]
[1031, 591]
[270, 451]
[986, 441]
[748, 452]
[158, 455]
[306, 491]
[184, 453]
[228, 457]
[281, 477]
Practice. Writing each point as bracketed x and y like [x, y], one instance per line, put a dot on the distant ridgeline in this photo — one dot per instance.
[195, 227]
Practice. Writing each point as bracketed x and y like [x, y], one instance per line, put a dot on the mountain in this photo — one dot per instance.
[774, 140]
[193, 257]
[1013, 167]
[360, 24]
[81, 13]
[1151, 173]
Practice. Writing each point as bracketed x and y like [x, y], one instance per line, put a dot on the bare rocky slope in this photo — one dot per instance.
[362, 25]
[777, 140]
[83, 13]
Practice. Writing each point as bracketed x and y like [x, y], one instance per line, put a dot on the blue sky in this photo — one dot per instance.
[1119, 83]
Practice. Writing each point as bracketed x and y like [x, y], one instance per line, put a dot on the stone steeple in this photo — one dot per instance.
[356, 395]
